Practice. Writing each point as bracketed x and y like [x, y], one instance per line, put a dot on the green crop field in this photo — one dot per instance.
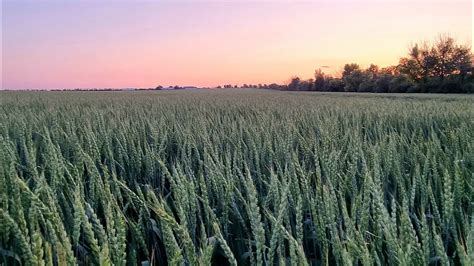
[236, 177]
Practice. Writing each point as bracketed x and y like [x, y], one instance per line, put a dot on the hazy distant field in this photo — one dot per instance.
[236, 176]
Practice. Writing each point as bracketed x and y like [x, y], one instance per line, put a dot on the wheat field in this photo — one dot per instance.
[236, 177]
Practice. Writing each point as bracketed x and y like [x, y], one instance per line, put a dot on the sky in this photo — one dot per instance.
[56, 44]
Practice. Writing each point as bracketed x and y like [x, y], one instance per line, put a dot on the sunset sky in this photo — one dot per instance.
[104, 43]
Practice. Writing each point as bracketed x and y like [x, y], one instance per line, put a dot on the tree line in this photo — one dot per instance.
[439, 67]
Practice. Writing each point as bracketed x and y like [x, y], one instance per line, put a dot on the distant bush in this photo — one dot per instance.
[382, 84]
[367, 86]
[353, 80]
[401, 84]
[468, 87]
[334, 84]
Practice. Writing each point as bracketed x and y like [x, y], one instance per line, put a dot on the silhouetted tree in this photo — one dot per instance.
[441, 59]
[274, 86]
[354, 79]
[334, 84]
[349, 68]
[372, 70]
[400, 84]
[391, 70]
[306, 85]
[367, 85]
[294, 84]
[319, 80]
[382, 83]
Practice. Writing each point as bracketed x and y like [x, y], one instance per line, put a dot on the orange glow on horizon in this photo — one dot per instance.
[128, 44]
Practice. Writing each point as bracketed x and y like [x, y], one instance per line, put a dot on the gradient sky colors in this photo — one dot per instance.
[104, 43]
